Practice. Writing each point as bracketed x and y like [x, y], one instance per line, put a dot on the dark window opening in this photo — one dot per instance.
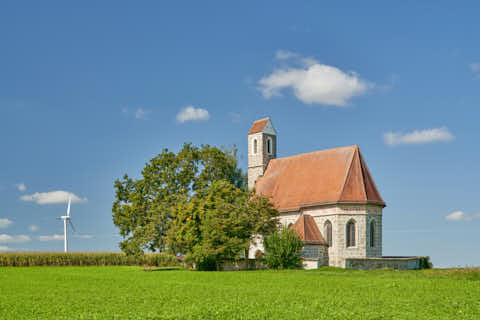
[328, 233]
[372, 234]
[351, 234]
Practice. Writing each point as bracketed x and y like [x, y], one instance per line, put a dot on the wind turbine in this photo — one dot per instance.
[65, 219]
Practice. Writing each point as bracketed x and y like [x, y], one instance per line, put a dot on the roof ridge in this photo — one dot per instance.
[347, 175]
[312, 152]
[364, 181]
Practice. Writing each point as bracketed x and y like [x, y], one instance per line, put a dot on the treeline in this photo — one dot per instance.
[32, 259]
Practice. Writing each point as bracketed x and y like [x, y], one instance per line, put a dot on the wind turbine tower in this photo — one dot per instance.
[65, 219]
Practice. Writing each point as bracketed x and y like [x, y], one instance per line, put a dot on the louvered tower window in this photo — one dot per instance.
[269, 145]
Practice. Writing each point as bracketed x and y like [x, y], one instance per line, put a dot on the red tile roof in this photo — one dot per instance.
[307, 230]
[337, 175]
[258, 125]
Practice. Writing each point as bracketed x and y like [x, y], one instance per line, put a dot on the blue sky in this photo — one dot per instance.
[90, 91]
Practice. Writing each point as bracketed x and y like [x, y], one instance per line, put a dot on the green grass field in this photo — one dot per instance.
[131, 293]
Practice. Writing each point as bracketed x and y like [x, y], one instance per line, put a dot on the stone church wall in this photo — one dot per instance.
[339, 215]
[374, 214]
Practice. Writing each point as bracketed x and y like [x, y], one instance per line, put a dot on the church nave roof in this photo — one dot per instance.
[337, 175]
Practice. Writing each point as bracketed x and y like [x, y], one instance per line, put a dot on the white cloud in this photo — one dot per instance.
[4, 223]
[84, 236]
[313, 82]
[54, 237]
[235, 117]
[475, 67]
[33, 228]
[460, 216]
[5, 248]
[142, 114]
[5, 238]
[21, 187]
[190, 113]
[52, 197]
[441, 134]
[285, 55]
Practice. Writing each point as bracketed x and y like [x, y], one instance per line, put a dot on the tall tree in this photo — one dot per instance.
[219, 224]
[144, 207]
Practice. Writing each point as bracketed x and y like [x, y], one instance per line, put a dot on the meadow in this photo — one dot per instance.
[170, 293]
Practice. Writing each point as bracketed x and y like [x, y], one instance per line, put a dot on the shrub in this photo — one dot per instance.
[425, 263]
[282, 250]
[258, 255]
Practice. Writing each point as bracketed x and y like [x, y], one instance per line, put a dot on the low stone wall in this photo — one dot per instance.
[318, 253]
[396, 263]
[309, 264]
[252, 264]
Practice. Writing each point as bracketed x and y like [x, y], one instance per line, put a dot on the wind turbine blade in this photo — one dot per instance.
[68, 208]
[71, 225]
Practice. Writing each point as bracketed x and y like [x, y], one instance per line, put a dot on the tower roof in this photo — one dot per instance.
[330, 176]
[262, 125]
[307, 230]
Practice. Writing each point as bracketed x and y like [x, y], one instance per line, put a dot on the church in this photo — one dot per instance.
[328, 197]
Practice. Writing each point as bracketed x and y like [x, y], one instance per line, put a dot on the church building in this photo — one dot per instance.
[328, 197]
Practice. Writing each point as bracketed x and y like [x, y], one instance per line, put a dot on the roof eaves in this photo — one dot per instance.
[326, 203]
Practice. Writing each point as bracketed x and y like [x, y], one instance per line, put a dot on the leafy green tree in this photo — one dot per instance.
[219, 224]
[194, 202]
[282, 250]
[144, 207]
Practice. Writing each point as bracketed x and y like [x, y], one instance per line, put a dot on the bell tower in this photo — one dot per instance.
[262, 147]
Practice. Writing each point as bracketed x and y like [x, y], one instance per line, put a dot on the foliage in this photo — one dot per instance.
[195, 203]
[218, 224]
[328, 293]
[425, 263]
[282, 250]
[31, 259]
[144, 207]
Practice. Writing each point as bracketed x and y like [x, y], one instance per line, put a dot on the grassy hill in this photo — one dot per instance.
[131, 293]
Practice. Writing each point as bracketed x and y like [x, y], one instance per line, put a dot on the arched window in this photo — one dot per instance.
[328, 232]
[255, 146]
[372, 233]
[351, 234]
[269, 145]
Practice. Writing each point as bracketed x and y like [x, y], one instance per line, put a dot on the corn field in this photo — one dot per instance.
[31, 259]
